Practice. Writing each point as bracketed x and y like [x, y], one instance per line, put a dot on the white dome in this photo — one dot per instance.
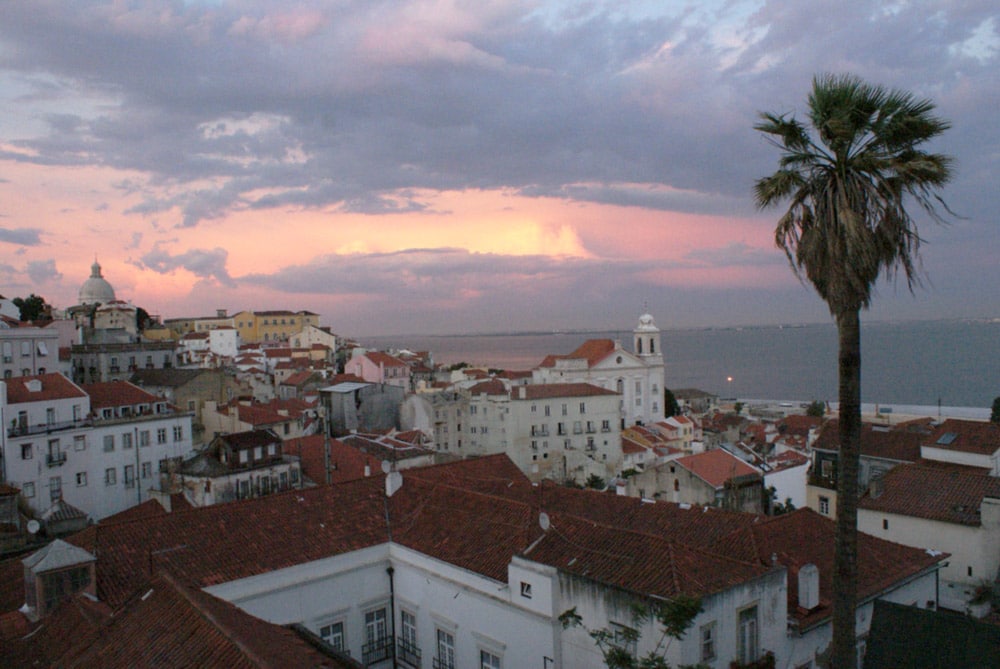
[647, 324]
[96, 289]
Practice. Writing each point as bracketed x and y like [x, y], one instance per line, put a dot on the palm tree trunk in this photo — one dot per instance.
[845, 565]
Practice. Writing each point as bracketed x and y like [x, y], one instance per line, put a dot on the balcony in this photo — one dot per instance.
[376, 651]
[55, 459]
[442, 663]
[408, 653]
[539, 431]
[18, 429]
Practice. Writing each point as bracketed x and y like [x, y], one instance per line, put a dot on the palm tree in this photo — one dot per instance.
[847, 181]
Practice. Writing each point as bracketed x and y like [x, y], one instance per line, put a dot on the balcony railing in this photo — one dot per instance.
[376, 651]
[55, 459]
[408, 653]
[23, 429]
[442, 663]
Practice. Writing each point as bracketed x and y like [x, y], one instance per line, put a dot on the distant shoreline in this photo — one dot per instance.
[703, 328]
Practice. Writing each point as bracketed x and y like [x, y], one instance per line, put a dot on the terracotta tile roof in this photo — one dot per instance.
[171, 625]
[384, 359]
[477, 514]
[630, 447]
[345, 463]
[798, 424]
[543, 391]
[282, 352]
[965, 436]
[876, 442]
[53, 387]
[936, 491]
[111, 394]
[638, 561]
[592, 350]
[715, 467]
[491, 387]
[805, 537]
[256, 415]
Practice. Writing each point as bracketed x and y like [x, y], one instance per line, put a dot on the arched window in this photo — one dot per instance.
[638, 343]
[652, 345]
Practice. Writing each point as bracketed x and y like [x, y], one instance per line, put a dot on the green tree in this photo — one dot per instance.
[670, 406]
[596, 482]
[995, 413]
[142, 319]
[848, 182]
[816, 408]
[675, 617]
[33, 308]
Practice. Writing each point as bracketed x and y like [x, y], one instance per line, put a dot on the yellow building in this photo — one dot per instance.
[268, 326]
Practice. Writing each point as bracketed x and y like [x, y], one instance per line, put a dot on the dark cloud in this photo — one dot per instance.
[500, 100]
[21, 236]
[203, 263]
[42, 271]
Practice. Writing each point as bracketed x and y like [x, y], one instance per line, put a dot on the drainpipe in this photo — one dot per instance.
[392, 615]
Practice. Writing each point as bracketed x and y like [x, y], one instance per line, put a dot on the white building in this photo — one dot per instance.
[28, 351]
[99, 447]
[636, 376]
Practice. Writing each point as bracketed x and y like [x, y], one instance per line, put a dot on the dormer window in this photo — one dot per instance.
[55, 573]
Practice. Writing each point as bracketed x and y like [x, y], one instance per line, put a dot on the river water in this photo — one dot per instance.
[954, 363]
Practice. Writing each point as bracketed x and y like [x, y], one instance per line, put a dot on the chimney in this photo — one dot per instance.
[808, 586]
[368, 470]
[522, 392]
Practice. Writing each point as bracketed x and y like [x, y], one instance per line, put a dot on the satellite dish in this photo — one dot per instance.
[386, 466]
[544, 521]
[33, 526]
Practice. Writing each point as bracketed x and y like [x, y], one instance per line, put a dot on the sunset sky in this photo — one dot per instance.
[462, 166]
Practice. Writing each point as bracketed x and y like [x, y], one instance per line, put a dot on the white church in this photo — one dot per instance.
[636, 375]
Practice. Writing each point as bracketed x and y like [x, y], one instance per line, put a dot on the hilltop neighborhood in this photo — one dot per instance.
[253, 489]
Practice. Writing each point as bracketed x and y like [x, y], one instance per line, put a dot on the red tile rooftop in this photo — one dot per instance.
[41, 388]
[715, 467]
[118, 393]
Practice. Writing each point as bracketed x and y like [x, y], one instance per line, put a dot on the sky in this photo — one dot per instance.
[449, 166]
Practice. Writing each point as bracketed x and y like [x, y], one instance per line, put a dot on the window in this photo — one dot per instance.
[408, 638]
[563, 409]
[81, 479]
[129, 476]
[333, 634]
[708, 642]
[244, 456]
[445, 650]
[748, 639]
[109, 443]
[147, 470]
[258, 452]
[525, 589]
[127, 440]
[826, 468]
[178, 433]
[110, 476]
[885, 523]
[55, 452]
[144, 438]
[161, 435]
[605, 426]
[28, 490]
[488, 660]
[55, 488]
[547, 410]
[583, 407]
[26, 451]
[625, 638]
[824, 505]
[25, 348]
[50, 415]
[80, 442]
[375, 625]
